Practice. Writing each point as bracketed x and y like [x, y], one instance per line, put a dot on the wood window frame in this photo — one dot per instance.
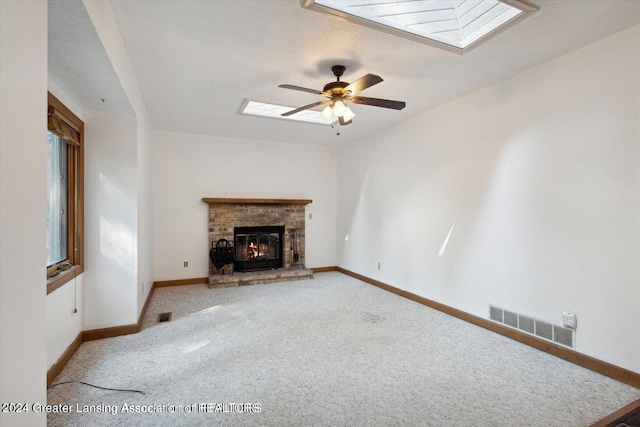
[63, 122]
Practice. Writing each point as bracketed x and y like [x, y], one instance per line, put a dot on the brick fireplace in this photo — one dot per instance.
[227, 215]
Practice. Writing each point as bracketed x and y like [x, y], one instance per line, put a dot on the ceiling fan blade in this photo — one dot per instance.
[303, 89]
[343, 123]
[362, 83]
[306, 107]
[386, 103]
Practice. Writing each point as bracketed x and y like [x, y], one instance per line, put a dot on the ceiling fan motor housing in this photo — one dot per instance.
[335, 87]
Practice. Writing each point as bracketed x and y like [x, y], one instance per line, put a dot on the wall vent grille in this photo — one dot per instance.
[544, 330]
[526, 324]
[554, 333]
[510, 319]
[495, 314]
[563, 336]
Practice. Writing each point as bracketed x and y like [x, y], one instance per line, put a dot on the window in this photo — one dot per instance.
[57, 212]
[454, 25]
[273, 111]
[65, 201]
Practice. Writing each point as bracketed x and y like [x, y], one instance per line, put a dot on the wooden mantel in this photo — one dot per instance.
[219, 201]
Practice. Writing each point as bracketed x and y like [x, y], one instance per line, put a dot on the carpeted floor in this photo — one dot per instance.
[331, 351]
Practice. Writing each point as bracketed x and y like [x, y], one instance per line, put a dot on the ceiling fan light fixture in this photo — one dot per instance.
[327, 113]
[348, 114]
[339, 108]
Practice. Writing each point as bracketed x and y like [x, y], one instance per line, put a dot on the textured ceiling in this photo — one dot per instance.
[196, 61]
[77, 61]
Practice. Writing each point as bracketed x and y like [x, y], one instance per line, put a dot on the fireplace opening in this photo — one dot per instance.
[258, 248]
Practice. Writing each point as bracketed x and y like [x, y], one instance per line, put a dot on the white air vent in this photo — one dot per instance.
[563, 336]
[526, 324]
[544, 330]
[495, 314]
[510, 319]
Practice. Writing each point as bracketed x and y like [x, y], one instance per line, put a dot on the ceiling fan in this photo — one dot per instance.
[340, 92]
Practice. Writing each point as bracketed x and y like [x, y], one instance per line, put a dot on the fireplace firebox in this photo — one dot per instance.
[258, 248]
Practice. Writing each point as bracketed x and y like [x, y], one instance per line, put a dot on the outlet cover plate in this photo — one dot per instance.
[569, 319]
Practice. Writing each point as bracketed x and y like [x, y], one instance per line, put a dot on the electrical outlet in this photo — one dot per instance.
[569, 319]
[310, 216]
[379, 266]
[143, 287]
[186, 263]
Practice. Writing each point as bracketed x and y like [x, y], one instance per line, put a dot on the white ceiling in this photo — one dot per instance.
[196, 61]
[78, 62]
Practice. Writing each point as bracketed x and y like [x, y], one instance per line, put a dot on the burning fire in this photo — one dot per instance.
[255, 251]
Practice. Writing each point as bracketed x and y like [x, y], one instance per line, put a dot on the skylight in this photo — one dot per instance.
[455, 25]
[274, 111]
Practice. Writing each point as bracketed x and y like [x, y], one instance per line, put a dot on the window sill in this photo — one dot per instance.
[64, 277]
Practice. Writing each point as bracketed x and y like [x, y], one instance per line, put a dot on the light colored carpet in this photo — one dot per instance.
[329, 351]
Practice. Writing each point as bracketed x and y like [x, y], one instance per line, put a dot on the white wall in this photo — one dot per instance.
[118, 247]
[66, 99]
[23, 183]
[106, 26]
[111, 218]
[540, 174]
[144, 239]
[190, 167]
[63, 324]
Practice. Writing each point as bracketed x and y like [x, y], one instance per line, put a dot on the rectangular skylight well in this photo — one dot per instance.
[274, 111]
[455, 25]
